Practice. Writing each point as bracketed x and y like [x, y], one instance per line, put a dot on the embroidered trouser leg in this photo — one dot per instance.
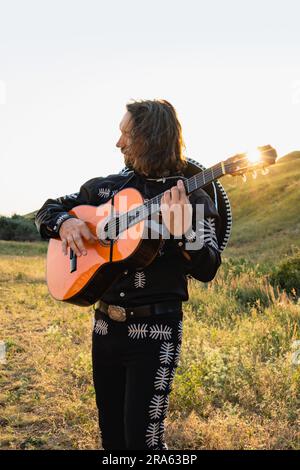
[134, 364]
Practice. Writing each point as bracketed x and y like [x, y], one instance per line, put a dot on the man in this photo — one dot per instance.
[134, 361]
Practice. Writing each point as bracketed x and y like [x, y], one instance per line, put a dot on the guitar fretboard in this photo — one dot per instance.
[124, 221]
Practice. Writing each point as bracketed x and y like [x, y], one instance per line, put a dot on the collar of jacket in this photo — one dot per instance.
[119, 181]
[159, 179]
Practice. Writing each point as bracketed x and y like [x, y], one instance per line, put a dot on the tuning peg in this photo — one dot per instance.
[265, 171]
[244, 178]
[254, 174]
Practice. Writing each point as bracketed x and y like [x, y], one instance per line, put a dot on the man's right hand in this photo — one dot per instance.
[72, 232]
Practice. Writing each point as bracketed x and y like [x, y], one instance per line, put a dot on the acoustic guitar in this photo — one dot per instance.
[125, 237]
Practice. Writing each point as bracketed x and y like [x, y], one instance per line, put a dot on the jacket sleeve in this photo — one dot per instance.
[199, 247]
[54, 212]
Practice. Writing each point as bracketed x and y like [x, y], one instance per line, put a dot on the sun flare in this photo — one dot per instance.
[253, 156]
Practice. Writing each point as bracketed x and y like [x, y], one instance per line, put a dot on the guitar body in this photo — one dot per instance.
[82, 280]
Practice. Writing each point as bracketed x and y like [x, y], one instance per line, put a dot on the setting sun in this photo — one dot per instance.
[253, 155]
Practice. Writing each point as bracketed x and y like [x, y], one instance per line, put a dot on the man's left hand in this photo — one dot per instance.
[176, 210]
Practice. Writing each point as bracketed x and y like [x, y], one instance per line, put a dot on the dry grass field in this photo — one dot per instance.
[237, 385]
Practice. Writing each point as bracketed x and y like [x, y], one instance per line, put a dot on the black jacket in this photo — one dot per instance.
[166, 277]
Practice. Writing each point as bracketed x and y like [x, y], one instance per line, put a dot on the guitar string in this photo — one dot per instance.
[143, 210]
[192, 184]
[195, 182]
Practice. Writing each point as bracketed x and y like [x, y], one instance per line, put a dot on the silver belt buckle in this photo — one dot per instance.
[117, 313]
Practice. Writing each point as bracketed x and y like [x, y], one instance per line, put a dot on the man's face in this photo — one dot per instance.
[125, 138]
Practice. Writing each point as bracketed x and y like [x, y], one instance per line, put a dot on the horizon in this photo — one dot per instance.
[32, 212]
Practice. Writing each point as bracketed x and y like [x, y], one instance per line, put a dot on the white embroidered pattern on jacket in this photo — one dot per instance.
[137, 331]
[156, 406]
[161, 431]
[103, 192]
[162, 378]
[172, 374]
[180, 331]
[166, 353]
[72, 196]
[61, 218]
[101, 327]
[67, 196]
[208, 232]
[190, 236]
[139, 279]
[152, 434]
[177, 354]
[166, 406]
[161, 332]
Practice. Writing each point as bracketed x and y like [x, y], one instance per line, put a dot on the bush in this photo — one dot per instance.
[18, 228]
[287, 274]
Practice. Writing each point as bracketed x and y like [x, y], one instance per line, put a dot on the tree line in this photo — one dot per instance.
[18, 228]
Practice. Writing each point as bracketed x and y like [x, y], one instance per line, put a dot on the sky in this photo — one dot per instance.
[67, 69]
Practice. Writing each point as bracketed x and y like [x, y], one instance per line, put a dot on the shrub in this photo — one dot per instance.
[18, 228]
[287, 274]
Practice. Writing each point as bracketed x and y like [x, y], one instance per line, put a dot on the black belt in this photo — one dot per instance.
[118, 313]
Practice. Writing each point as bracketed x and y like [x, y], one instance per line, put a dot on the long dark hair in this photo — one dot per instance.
[157, 145]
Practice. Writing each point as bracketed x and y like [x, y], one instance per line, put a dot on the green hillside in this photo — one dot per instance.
[266, 212]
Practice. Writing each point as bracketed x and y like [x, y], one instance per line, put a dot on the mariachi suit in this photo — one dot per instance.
[134, 361]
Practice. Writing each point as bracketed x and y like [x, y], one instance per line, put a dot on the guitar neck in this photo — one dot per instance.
[197, 181]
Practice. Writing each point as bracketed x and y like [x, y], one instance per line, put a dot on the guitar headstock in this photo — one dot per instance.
[242, 163]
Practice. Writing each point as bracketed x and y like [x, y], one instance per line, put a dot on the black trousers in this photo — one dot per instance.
[134, 364]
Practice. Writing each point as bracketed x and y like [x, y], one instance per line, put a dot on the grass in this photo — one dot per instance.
[237, 385]
[266, 216]
[13, 248]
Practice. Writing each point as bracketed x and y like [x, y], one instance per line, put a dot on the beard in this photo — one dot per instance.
[131, 162]
[128, 162]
